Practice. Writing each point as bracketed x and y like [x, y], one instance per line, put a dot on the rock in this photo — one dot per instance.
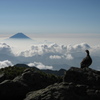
[59, 91]
[35, 79]
[29, 80]
[79, 84]
[84, 76]
[65, 91]
[10, 90]
[2, 77]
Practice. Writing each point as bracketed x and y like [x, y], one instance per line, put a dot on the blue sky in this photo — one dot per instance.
[50, 16]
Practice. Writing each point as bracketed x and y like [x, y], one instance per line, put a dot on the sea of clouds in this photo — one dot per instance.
[49, 56]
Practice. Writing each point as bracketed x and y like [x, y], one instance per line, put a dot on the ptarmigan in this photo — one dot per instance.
[87, 61]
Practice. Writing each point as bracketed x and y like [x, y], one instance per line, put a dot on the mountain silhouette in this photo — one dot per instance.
[20, 36]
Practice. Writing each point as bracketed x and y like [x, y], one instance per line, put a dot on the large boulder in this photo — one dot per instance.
[29, 80]
[78, 84]
[35, 79]
[86, 76]
[10, 90]
[65, 91]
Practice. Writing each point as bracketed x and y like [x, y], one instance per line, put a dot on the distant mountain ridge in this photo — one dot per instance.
[48, 71]
[19, 36]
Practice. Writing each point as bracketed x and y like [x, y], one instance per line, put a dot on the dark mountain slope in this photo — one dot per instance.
[19, 36]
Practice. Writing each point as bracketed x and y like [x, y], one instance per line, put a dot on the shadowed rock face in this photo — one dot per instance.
[10, 90]
[61, 91]
[29, 80]
[65, 91]
[84, 76]
[77, 84]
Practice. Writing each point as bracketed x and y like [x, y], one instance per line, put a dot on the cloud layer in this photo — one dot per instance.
[51, 56]
[5, 49]
[5, 63]
[54, 49]
[40, 65]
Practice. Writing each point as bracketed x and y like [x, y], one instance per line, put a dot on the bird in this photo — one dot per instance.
[87, 61]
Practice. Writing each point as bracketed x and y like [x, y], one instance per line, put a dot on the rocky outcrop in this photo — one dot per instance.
[85, 76]
[33, 84]
[79, 84]
[65, 91]
[36, 79]
[29, 80]
[10, 90]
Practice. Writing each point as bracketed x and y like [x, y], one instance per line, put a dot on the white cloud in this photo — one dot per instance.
[95, 51]
[51, 54]
[69, 57]
[54, 49]
[40, 65]
[5, 63]
[78, 47]
[81, 46]
[5, 49]
[44, 49]
[55, 57]
[47, 55]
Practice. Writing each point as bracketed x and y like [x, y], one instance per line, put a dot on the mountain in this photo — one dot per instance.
[54, 72]
[19, 36]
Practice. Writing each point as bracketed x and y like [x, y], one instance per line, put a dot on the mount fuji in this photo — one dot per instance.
[19, 42]
[19, 36]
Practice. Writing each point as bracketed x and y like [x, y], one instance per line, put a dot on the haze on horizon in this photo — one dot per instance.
[59, 21]
[64, 39]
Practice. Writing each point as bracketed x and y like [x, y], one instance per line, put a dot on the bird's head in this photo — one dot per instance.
[87, 51]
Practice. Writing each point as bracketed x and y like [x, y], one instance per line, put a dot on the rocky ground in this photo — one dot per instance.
[76, 84]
